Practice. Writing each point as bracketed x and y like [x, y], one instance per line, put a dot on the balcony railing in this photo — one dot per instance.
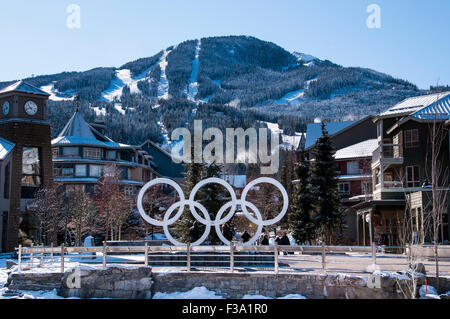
[388, 153]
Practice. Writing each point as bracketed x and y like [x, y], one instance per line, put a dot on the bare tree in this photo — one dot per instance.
[439, 180]
[48, 206]
[113, 206]
[80, 209]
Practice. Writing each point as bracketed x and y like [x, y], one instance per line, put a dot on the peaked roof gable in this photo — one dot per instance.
[5, 148]
[415, 104]
[314, 131]
[23, 87]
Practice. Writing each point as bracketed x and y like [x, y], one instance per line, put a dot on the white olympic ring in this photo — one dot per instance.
[206, 220]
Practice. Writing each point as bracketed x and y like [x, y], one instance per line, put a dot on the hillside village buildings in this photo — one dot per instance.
[384, 163]
[384, 178]
[81, 151]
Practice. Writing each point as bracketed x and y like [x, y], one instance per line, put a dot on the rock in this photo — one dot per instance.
[112, 282]
[10, 264]
[445, 296]
[12, 293]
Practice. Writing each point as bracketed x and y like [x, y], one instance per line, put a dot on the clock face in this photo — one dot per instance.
[31, 108]
[5, 108]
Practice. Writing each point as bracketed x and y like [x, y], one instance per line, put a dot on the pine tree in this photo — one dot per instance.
[300, 219]
[286, 177]
[214, 196]
[328, 211]
[193, 176]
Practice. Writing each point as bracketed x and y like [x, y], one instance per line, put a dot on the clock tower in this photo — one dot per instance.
[23, 122]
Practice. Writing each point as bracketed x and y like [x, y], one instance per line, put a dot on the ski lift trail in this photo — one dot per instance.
[163, 85]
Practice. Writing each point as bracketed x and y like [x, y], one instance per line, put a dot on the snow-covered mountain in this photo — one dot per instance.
[240, 72]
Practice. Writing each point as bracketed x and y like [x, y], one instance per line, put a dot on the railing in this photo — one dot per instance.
[352, 259]
[388, 151]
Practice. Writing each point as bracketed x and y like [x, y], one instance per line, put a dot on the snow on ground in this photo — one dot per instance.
[165, 133]
[288, 141]
[118, 107]
[163, 86]
[123, 78]
[192, 89]
[98, 111]
[196, 293]
[55, 95]
[204, 293]
[292, 98]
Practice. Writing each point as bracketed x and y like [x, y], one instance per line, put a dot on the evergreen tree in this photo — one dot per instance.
[193, 176]
[328, 211]
[286, 177]
[214, 196]
[300, 218]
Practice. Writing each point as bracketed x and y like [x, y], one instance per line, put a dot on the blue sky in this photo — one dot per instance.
[412, 42]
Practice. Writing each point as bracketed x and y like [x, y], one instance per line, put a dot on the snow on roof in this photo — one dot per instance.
[439, 110]
[362, 149]
[416, 104]
[314, 131]
[78, 131]
[5, 147]
[24, 87]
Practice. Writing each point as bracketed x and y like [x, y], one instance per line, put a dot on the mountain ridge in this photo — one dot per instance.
[242, 78]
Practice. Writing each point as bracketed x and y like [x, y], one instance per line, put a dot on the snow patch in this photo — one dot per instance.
[196, 293]
[192, 89]
[163, 85]
[55, 95]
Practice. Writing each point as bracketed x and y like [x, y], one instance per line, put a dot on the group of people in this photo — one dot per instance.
[230, 233]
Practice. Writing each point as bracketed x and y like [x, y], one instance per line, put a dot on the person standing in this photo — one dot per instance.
[245, 236]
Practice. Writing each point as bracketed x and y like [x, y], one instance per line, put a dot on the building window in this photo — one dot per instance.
[412, 176]
[129, 191]
[31, 171]
[7, 182]
[81, 170]
[71, 152]
[67, 171]
[353, 168]
[344, 188]
[111, 155]
[92, 153]
[74, 188]
[95, 170]
[412, 138]
[366, 188]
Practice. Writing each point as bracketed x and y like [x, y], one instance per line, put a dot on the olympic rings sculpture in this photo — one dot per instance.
[206, 219]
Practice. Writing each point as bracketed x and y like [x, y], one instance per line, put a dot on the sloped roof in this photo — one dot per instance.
[416, 104]
[23, 87]
[314, 131]
[440, 109]
[78, 131]
[362, 149]
[5, 148]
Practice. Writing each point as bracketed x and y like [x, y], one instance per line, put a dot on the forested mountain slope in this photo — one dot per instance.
[234, 80]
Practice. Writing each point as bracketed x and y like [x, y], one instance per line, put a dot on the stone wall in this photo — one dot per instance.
[237, 285]
[141, 283]
[112, 282]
